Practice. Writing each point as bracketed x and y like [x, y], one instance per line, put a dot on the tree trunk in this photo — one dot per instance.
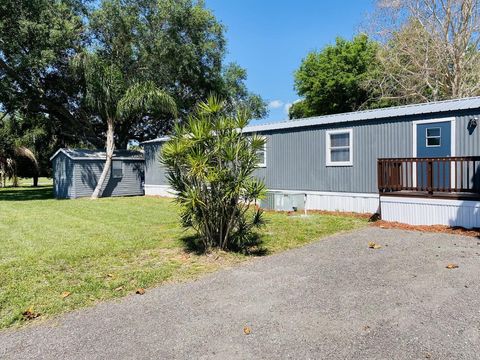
[35, 181]
[110, 147]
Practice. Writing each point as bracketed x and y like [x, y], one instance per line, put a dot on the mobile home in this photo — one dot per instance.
[415, 164]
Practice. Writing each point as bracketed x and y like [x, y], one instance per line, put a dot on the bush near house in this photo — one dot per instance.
[210, 165]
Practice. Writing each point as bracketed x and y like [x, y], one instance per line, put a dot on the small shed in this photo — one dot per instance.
[76, 173]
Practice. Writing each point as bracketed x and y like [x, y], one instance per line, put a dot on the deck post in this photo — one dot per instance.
[430, 177]
[379, 176]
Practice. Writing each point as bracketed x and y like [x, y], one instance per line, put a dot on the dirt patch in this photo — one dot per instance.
[428, 228]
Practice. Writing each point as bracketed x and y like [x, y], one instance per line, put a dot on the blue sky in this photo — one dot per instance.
[269, 38]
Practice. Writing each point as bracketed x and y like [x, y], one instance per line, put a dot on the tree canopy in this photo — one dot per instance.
[416, 51]
[176, 45]
[331, 80]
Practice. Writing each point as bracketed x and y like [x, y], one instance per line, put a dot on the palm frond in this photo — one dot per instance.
[144, 98]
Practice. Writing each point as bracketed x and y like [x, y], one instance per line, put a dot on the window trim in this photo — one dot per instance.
[433, 137]
[329, 161]
[264, 164]
[122, 167]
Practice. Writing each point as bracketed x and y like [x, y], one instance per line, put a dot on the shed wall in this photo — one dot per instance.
[62, 176]
[87, 173]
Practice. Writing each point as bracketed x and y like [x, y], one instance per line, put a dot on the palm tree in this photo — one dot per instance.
[9, 158]
[115, 98]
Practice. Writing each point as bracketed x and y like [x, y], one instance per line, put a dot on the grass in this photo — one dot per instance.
[104, 249]
[29, 181]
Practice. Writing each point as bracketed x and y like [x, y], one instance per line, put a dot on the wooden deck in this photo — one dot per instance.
[440, 178]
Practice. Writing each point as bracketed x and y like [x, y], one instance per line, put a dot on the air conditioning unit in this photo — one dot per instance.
[279, 201]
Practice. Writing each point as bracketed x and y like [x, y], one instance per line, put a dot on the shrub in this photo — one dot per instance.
[210, 164]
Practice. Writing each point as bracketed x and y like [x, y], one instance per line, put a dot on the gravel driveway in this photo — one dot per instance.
[334, 299]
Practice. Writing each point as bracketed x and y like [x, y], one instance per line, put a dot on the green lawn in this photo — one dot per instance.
[29, 181]
[104, 249]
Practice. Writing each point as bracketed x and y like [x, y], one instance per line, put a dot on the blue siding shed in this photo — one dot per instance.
[76, 173]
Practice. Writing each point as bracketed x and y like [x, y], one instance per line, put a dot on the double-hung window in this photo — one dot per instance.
[117, 169]
[339, 147]
[262, 156]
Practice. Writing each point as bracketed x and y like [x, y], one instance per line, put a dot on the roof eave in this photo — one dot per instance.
[61, 150]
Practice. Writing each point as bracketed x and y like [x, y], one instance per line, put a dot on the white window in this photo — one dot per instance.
[262, 156]
[339, 147]
[433, 136]
[117, 169]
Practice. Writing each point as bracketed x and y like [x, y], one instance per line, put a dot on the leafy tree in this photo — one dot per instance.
[37, 40]
[210, 164]
[236, 93]
[331, 81]
[176, 44]
[115, 97]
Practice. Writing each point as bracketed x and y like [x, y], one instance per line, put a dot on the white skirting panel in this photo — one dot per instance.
[347, 202]
[416, 211]
[364, 203]
[159, 190]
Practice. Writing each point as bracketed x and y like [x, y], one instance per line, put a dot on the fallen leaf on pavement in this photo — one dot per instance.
[140, 291]
[452, 266]
[29, 314]
[247, 330]
[373, 245]
[66, 294]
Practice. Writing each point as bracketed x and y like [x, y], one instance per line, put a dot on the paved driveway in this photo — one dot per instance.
[334, 299]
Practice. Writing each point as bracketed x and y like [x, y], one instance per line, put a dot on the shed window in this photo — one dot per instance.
[117, 169]
[339, 148]
[433, 136]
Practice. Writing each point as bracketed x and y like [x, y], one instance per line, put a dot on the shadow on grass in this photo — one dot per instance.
[26, 193]
[253, 246]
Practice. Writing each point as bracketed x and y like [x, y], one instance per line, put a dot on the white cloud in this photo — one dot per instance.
[287, 106]
[275, 104]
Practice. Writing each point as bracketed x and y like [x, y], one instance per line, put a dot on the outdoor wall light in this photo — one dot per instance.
[472, 124]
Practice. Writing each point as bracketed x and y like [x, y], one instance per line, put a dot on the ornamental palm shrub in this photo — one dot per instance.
[210, 164]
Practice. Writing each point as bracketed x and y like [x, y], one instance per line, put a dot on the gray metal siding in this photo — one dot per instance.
[296, 158]
[154, 171]
[87, 173]
[467, 140]
[62, 177]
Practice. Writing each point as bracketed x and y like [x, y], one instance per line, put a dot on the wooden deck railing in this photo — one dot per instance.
[459, 174]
